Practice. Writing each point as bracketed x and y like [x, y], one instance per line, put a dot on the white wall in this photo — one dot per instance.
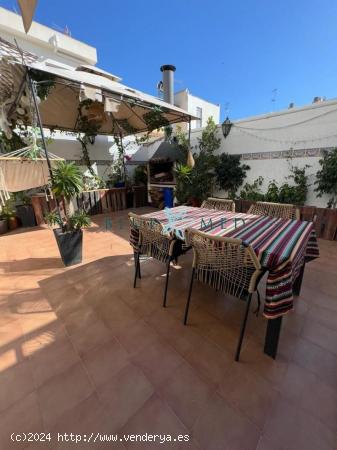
[185, 100]
[265, 143]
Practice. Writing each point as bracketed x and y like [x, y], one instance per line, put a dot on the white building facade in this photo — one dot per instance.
[197, 106]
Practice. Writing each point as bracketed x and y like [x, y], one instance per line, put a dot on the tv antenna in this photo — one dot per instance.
[274, 95]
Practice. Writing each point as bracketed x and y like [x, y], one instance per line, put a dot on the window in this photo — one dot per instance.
[198, 123]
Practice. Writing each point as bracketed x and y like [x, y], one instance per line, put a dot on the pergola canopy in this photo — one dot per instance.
[111, 106]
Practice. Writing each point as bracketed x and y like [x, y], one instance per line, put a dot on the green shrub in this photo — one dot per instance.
[327, 177]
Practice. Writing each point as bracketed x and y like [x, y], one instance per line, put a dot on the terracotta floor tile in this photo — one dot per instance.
[294, 429]
[158, 361]
[317, 360]
[186, 394]
[116, 315]
[324, 316]
[95, 334]
[248, 392]
[320, 335]
[62, 392]
[87, 419]
[43, 304]
[306, 390]
[137, 338]
[182, 338]
[42, 338]
[210, 362]
[52, 360]
[16, 383]
[23, 417]
[124, 394]
[221, 427]
[79, 319]
[157, 419]
[104, 361]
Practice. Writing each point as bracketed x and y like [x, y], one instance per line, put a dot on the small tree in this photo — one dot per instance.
[230, 173]
[327, 177]
[203, 173]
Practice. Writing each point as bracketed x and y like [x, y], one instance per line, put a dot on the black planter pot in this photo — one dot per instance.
[70, 246]
[129, 199]
[26, 215]
[3, 226]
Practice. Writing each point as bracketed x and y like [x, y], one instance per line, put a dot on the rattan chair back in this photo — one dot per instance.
[279, 210]
[224, 263]
[221, 204]
[147, 238]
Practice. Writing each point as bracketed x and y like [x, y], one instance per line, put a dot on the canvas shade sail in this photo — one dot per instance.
[115, 108]
[27, 8]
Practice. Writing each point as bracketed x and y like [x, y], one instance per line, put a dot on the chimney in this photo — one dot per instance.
[168, 82]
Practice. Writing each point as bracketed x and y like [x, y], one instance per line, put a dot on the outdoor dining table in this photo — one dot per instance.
[283, 246]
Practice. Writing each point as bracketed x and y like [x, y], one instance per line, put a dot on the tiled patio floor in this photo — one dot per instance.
[82, 351]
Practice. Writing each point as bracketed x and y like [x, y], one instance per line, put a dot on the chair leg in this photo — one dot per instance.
[166, 282]
[189, 297]
[243, 327]
[139, 274]
[136, 268]
[256, 312]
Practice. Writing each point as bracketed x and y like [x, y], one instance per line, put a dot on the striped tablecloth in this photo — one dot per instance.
[280, 244]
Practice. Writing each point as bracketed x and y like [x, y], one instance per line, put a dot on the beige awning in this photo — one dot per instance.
[118, 109]
[27, 8]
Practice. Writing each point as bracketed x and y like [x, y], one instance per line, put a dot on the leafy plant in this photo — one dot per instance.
[53, 218]
[252, 191]
[8, 210]
[272, 194]
[183, 181]
[203, 176]
[181, 139]
[67, 182]
[155, 119]
[327, 177]
[230, 173]
[45, 82]
[294, 193]
[140, 176]
[79, 220]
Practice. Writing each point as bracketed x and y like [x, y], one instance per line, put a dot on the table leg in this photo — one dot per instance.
[272, 336]
[298, 282]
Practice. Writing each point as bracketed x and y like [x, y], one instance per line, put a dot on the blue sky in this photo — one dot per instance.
[232, 53]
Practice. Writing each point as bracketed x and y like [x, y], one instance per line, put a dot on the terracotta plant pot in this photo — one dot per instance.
[12, 223]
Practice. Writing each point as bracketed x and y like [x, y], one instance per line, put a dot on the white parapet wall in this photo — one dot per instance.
[271, 143]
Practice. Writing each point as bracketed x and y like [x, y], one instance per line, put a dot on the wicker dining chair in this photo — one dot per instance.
[222, 204]
[147, 238]
[280, 210]
[227, 265]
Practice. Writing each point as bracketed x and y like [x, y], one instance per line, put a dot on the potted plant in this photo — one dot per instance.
[24, 210]
[68, 182]
[9, 216]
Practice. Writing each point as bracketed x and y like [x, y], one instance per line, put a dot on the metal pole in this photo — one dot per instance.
[189, 132]
[32, 88]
